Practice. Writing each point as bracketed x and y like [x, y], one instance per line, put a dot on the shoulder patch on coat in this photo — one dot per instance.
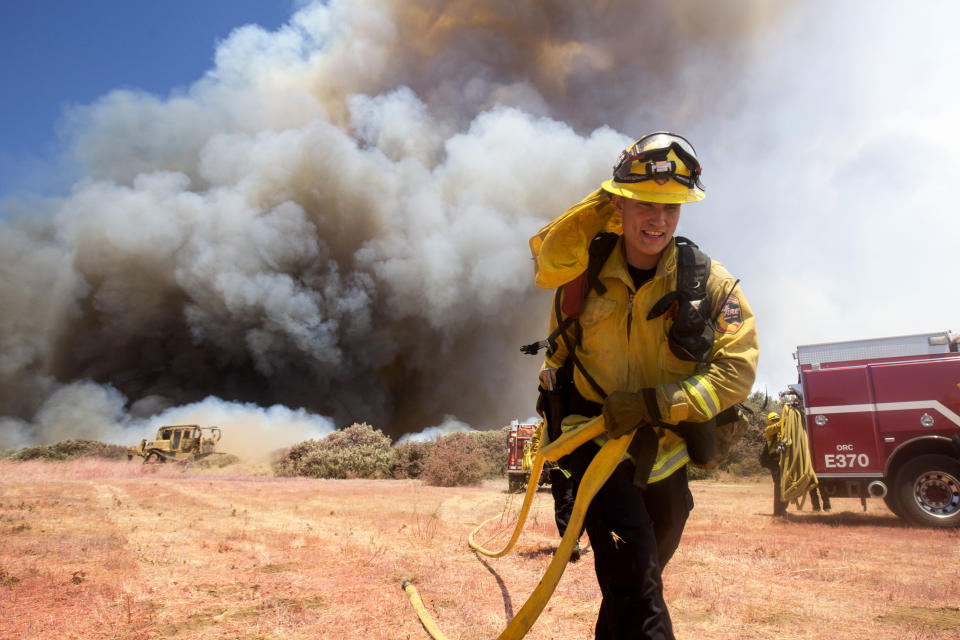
[730, 319]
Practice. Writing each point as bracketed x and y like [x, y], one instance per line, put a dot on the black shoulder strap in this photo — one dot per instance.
[600, 249]
[572, 343]
[693, 269]
[550, 343]
[691, 335]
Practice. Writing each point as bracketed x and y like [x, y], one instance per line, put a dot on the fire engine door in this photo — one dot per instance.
[841, 423]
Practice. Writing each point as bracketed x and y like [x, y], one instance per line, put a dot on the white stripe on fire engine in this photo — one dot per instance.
[849, 475]
[888, 406]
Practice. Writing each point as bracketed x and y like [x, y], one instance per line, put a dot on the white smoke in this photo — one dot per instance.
[85, 410]
[335, 217]
[250, 432]
[81, 410]
[450, 424]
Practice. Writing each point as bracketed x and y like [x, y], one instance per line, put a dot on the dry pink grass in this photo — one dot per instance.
[109, 550]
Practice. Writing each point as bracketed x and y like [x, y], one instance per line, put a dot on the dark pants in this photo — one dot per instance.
[779, 506]
[634, 533]
[771, 462]
[564, 491]
[815, 495]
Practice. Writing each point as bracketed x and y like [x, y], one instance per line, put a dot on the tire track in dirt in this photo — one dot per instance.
[266, 509]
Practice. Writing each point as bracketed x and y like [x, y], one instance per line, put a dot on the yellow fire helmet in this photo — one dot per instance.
[772, 417]
[659, 167]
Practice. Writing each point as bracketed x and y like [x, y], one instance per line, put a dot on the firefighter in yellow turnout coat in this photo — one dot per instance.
[628, 359]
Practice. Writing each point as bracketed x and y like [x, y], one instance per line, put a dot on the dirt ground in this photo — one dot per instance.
[97, 550]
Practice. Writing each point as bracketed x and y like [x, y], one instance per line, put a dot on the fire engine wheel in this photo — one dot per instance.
[893, 503]
[928, 491]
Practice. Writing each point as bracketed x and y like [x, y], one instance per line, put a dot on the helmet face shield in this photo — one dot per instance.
[659, 167]
[652, 152]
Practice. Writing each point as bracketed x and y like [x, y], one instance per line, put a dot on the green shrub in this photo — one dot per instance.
[744, 456]
[293, 461]
[359, 451]
[493, 450]
[72, 449]
[456, 460]
[408, 458]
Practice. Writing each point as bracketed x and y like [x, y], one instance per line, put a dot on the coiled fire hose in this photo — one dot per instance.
[600, 469]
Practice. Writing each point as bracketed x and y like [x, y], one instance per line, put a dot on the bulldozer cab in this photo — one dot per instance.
[180, 438]
[184, 442]
[190, 437]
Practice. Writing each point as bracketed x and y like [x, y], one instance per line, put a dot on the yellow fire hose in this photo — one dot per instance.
[600, 469]
[521, 519]
[536, 468]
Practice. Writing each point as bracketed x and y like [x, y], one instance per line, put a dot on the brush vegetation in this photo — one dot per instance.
[456, 459]
[360, 451]
[68, 449]
[466, 458]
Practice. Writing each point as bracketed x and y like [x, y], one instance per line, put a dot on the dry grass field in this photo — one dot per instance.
[93, 549]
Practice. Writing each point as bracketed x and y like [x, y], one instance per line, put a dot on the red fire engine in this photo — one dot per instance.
[520, 440]
[883, 421]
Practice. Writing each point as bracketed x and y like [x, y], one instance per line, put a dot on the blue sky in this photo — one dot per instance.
[55, 54]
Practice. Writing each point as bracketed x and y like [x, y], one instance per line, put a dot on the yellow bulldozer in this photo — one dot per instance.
[182, 443]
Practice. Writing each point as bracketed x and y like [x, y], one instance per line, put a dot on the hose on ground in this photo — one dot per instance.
[521, 519]
[600, 469]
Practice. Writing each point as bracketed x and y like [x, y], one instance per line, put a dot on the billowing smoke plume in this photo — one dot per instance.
[335, 217]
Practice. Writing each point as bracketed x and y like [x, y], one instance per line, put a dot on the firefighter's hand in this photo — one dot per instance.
[623, 412]
[548, 377]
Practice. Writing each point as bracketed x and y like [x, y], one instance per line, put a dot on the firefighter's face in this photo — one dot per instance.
[647, 229]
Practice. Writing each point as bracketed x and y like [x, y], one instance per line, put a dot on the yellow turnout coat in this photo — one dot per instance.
[623, 350]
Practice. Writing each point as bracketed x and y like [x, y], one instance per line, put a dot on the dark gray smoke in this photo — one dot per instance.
[335, 218]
